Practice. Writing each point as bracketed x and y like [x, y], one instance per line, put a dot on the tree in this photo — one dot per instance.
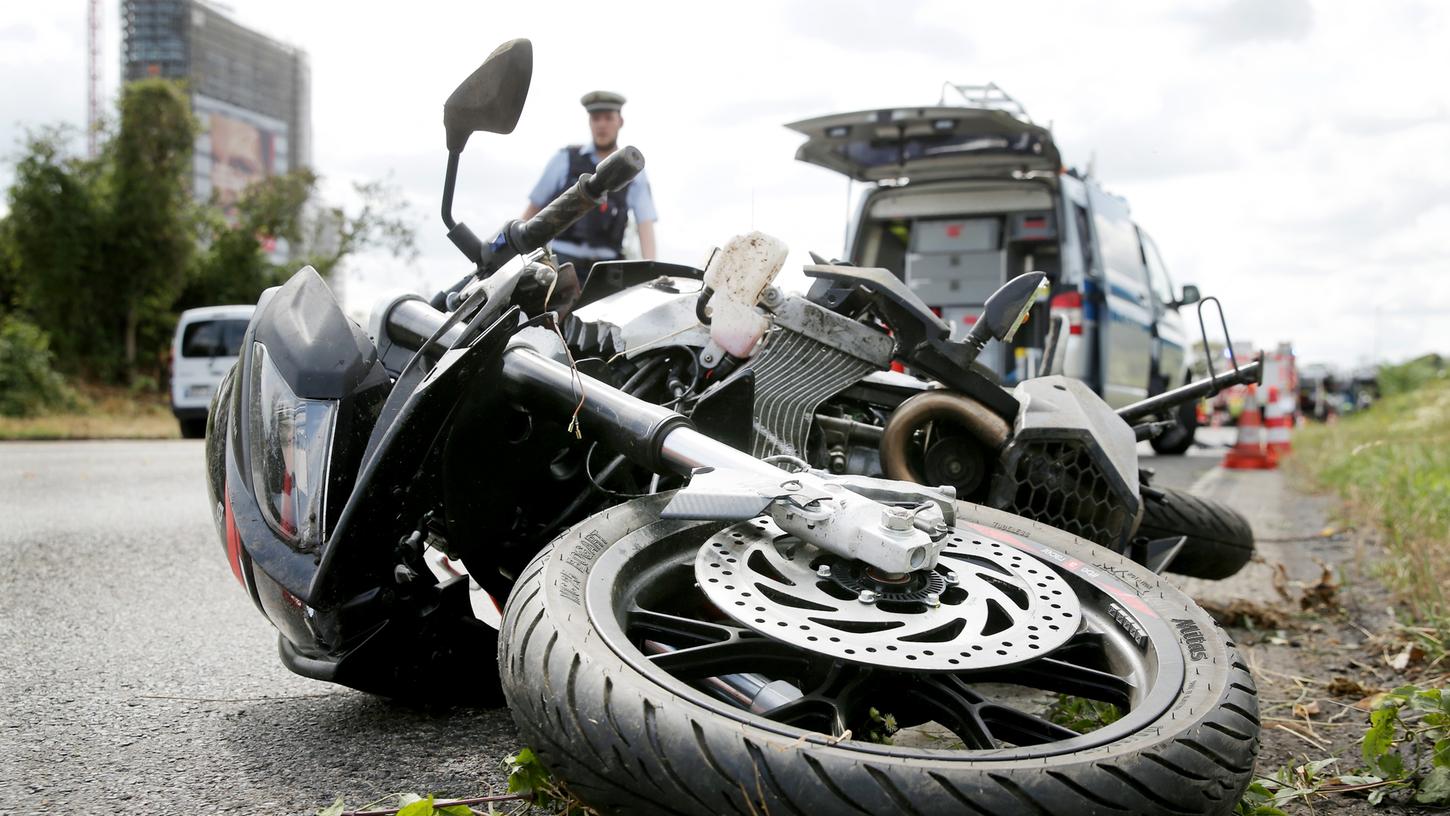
[53, 242]
[100, 254]
[235, 268]
[151, 239]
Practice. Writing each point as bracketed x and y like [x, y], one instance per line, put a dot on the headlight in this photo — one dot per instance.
[291, 443]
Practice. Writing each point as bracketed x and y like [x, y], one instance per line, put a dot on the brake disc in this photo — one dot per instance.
[985, 604]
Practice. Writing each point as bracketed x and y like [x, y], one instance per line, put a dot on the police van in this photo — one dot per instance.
[963, 197]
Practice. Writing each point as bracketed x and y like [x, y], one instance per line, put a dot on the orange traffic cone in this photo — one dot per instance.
[1250, 452]
[1278, 420]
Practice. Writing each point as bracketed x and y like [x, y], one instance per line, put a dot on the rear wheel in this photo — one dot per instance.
[630, 681]
[1177, 440]
[1220, 540]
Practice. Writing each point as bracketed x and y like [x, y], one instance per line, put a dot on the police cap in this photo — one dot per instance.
[601, 101]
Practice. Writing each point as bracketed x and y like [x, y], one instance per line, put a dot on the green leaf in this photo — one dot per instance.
[1381, 735]
[1435, 789]
[1377, 795]
[1391, 765]
[526, 773]
[1441, 758]
[422, 807]
[334, 809]
[1350, 779]
[1258, 800]
[456, 810]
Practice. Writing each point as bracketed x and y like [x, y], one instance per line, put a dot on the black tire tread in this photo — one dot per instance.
[1220, 540]
[648, 752]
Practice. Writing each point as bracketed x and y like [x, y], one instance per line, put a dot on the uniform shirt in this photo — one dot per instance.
[637, 199]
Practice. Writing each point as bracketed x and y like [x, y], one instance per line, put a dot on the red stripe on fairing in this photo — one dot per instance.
[234, 541]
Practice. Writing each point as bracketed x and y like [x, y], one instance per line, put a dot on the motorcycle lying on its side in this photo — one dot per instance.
[748, 636]
[808, 377]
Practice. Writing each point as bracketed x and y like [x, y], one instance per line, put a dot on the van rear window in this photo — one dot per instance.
[213, 338]
[878, 152]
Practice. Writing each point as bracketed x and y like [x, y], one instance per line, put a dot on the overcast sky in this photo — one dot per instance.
[1291, 157]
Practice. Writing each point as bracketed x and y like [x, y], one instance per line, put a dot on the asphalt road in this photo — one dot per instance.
[139, 678]
[1184, 471]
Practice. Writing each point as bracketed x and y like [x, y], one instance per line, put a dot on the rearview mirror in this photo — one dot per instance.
[492, 97]
[1006, 310]
[1190, 295]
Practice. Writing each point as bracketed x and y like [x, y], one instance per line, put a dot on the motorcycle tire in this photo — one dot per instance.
[629, 737]
[1177, 440]
[1220, 540]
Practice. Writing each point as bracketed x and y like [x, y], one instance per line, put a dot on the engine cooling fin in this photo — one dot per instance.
[794, 374]
[811, 355]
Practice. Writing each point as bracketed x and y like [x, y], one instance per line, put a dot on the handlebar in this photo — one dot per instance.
[1243, 375]
[522, 237]
[614, 172]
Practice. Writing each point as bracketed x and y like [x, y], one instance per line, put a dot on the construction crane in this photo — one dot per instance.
[93, 88]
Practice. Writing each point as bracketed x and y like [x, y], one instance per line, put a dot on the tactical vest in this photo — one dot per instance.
[604, 225]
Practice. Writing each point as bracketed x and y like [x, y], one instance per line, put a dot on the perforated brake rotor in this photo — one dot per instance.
[985, 604]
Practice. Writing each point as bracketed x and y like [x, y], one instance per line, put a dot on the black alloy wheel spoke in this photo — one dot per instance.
[690, 648]
[679, 631]
[981, 722]
[954, 704]
[819, 714]
[1065, 677]
[1071, 669]
[1020, 728]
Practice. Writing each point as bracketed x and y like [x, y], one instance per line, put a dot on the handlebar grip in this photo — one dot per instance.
[614, 172]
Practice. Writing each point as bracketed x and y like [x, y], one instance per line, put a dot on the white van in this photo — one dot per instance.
[206, 345]
[965, 197]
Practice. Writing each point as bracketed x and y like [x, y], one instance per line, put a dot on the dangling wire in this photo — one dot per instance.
[574, 370]
[608, 471]
[654, 342]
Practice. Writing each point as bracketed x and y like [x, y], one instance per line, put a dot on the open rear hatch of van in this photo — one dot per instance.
[926, 143]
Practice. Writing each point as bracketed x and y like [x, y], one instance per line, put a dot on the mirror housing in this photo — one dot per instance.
[1190, 296]
[1006, 309]
[492, 98]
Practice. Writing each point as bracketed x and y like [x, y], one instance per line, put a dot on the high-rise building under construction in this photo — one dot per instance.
[250, 92]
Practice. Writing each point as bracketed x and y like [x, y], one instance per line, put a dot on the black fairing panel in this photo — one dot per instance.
[315, 347]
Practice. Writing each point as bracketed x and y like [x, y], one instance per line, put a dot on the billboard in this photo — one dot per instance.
[235, 148]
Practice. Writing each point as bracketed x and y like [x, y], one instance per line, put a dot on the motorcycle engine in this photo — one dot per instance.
[808, 355]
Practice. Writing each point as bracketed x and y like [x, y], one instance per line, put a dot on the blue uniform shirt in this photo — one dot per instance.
[637, 196]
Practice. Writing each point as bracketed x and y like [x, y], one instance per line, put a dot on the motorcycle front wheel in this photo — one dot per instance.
[1144, 708]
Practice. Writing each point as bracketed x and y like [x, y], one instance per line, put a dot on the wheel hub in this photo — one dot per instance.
[985, 604]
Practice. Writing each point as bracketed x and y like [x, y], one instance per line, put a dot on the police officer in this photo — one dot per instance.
[598, 236]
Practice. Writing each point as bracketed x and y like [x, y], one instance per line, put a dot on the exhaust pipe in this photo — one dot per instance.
[936, 406]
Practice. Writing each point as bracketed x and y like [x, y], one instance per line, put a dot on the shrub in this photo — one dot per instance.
[28, 383]
[1410, 376]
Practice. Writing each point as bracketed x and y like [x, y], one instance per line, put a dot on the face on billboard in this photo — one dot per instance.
[239, 157]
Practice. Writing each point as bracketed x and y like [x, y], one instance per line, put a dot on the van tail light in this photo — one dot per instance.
[1070, 304]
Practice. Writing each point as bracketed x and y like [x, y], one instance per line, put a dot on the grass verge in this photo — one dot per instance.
[1391, 465]
[102, 413]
